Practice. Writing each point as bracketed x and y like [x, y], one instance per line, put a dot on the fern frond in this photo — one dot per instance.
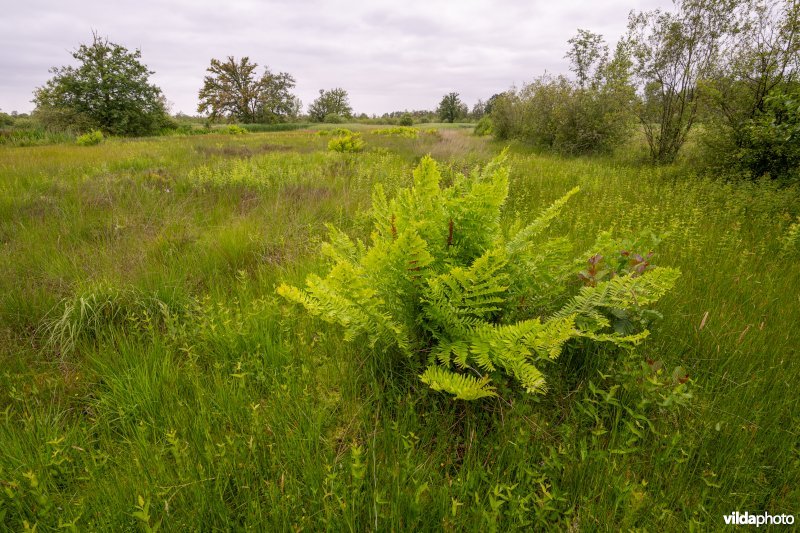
[462, 386]
[620, 292]
[340, 246]
[523, 238]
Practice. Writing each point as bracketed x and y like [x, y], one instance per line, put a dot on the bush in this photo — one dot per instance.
[333, 118]
[446, 286]
[766, 145]
[406, 120]
[400, 131]
[233, 129]
[484, 127]
[554, 114]
[351, 142]
[335, 131]
[90, 139]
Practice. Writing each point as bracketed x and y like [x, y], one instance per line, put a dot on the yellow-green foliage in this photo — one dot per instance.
[351, 142]
[233, 129]
[399, 131]
[90, 139]
[334, 131]
[484, 127]
[791, 241]
[443, 281]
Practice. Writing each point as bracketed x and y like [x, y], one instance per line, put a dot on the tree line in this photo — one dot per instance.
[724, 72]
[110, 90]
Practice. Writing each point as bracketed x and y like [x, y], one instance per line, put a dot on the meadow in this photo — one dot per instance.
[151, 377]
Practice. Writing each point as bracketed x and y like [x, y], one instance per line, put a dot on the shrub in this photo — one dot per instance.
[90, 139]
[768, 144]
[400, 131]
[445, 285]
[6, 120]
[406, 120]
[484, 127]
[554, 114]
[351, 142]
[233, 129]
[335, 131]
[333, 118]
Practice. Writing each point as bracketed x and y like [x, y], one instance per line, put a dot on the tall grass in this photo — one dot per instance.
[146, 364]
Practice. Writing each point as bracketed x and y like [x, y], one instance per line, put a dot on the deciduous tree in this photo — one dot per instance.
[451, 108]
[232, 90]
[108, 90]
[332, 103]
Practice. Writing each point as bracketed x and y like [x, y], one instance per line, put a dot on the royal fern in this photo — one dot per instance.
[442, 282]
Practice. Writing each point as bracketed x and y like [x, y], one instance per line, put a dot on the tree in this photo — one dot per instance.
[672, 52]
[478, 110]
[109, 90]
[758, 62]
[451, 108]
[589, 115]
[487, 108]
[332, 103]
[232, 90]
[588, 52]
[276, 101]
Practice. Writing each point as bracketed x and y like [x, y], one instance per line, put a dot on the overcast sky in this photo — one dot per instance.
[389, 55]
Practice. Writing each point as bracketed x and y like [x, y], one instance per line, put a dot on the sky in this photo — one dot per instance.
[388, 55]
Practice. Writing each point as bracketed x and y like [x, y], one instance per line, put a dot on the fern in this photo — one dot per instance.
[462, 386]
[440, 281]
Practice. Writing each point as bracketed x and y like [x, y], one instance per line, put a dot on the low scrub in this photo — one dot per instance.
[484, 127]
[554, 114]
[334, 131]
[351, 142]
[399, 131]
[92, 138]
[233, 129]
[444, 284]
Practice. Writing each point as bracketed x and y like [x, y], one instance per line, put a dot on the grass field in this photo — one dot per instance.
[150, 375]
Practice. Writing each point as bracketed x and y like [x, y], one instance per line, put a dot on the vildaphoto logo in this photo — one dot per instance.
[763, 519]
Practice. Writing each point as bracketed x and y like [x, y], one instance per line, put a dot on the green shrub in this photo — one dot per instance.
[333, 118]
[90, 139]
[770, 143]
[351, 142]
[484, 127]
[6, 120]
[335, 131]
[444, 284]
[233, 129]
[555, 114]
[406, 120]
[400, 131]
